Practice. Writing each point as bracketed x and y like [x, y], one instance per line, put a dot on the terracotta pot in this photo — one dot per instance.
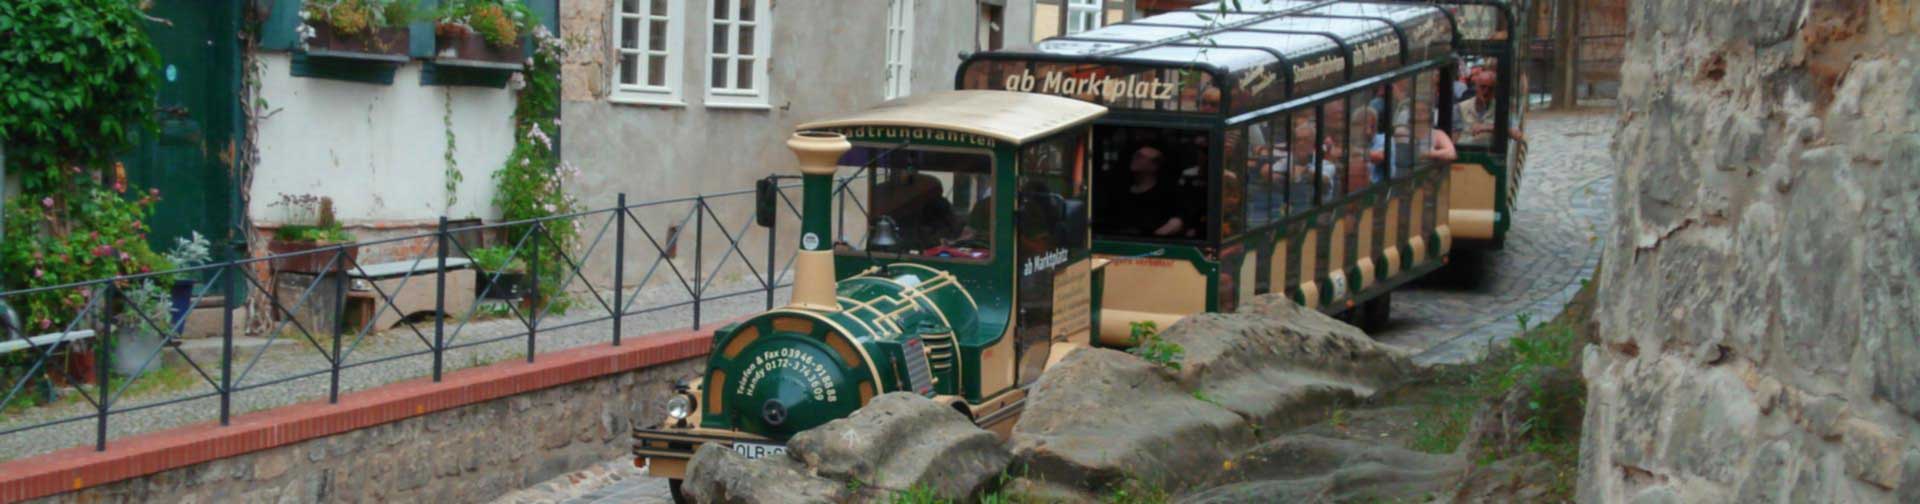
[314, 263]
[390, 41]
[456, 42]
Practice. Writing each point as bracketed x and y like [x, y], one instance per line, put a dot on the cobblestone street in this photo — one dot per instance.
[1553, 248]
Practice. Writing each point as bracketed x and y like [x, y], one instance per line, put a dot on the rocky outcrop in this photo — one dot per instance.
[1101, 417]
[901, 441]
[897, 442]
[1309, 468]
[1761, 291]
[717, 475]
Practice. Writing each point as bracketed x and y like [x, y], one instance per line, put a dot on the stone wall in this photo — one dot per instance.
[1758, 299]
[471, 453]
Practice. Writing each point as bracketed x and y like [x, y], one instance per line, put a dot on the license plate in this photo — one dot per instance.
[757, 450]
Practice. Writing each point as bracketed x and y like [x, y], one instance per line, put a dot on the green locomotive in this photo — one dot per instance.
[959, 292]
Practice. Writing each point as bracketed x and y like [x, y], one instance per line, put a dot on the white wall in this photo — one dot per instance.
[378, 150]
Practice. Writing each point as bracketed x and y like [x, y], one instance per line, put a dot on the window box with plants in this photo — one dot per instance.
[502, 276]
[368, 30]
[488, 34]
[324, 232]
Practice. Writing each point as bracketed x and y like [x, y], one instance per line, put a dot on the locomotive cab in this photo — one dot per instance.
[960, 268]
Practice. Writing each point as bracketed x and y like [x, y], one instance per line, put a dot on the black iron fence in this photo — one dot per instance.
[541, 275]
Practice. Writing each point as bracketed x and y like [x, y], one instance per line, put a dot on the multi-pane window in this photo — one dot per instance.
[1082, 15]
[648, 67]
[737, 53]
[899, 48]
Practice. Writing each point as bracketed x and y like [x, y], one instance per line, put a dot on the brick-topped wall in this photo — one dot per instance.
[476, 435]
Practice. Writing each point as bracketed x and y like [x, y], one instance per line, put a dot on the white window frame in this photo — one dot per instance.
[762, 23]
[1085, 15]
[640, 92]
[899, 65]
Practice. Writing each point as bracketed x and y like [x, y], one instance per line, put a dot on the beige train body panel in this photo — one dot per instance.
[1148, 290]
[1472, 190]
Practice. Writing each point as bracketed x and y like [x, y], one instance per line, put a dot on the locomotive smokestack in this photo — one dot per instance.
[813, 276]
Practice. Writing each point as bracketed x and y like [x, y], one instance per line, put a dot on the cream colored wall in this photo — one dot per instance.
[377, 150]
[826, 60]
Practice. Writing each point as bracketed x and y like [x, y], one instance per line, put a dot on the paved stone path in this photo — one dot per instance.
[1553, 248]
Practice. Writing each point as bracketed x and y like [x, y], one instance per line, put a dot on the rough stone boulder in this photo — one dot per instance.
[1274, 356]
[1311, 468]
[897, 442]
[900, 441]
[717, 475]
[1100, 416]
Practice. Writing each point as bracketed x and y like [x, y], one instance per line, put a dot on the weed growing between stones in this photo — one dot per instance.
[1545, 416]
[1147, 345]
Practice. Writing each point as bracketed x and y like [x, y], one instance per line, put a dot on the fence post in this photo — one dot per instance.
[105, 371]
[228, 292]
[539, 297]
[699, 240]
[619, 263]
[440, 301]
[339, 272]
[773, 266]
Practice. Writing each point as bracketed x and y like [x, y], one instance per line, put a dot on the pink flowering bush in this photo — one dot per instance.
[91, 230]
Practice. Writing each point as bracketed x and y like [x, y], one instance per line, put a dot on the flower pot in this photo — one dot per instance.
[454, 42]
[81, 366]
[179, 302]
[132, 348]
[313, 263]
[510, 285]
[391, 41]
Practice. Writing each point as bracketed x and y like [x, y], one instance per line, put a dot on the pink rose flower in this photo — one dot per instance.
[47, 202]
[37, 273]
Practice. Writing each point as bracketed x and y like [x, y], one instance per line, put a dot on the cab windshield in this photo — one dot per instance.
[927, 202]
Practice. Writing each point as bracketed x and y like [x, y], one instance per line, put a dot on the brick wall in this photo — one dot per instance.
[474, 436]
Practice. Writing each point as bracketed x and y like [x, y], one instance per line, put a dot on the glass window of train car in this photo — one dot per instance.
[1143, 177]
[1233, 182]
[1366, 150]
[937, 202]
[1305, 170]
[1481, 23]
[1052, 210]
[1400, 148]
[1264, 142]
[1423, 115]
[1330, 147]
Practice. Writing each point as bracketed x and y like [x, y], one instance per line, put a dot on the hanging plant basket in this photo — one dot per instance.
[455, 44]
[387, 44]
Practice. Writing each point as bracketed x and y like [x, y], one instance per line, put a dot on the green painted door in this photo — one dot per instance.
[198, 113]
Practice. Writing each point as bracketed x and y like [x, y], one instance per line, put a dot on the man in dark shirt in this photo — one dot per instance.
[1148, 207]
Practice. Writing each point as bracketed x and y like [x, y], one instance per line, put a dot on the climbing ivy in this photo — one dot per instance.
[77, 85]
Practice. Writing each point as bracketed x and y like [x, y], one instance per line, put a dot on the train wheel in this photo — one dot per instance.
[1375, 313]
[673, 487]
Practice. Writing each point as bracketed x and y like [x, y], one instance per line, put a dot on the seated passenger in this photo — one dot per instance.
[918, 205]
[1148, 207]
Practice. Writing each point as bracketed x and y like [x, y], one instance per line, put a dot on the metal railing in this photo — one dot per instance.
[559, 280]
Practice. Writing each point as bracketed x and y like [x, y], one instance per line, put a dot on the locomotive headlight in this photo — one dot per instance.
[680, 406]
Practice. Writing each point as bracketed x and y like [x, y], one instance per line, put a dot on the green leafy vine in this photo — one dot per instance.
[453, 175]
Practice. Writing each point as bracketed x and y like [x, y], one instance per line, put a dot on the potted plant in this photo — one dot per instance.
[484, 30]
[186, 253]
[358, 26]
[139, 322]
[502, 276]
[324, 232]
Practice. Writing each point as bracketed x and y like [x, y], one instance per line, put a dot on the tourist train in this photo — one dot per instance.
[1070, 193]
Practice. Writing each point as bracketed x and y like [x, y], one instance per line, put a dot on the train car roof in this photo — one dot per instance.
[1313, 44]
[1003, 115]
